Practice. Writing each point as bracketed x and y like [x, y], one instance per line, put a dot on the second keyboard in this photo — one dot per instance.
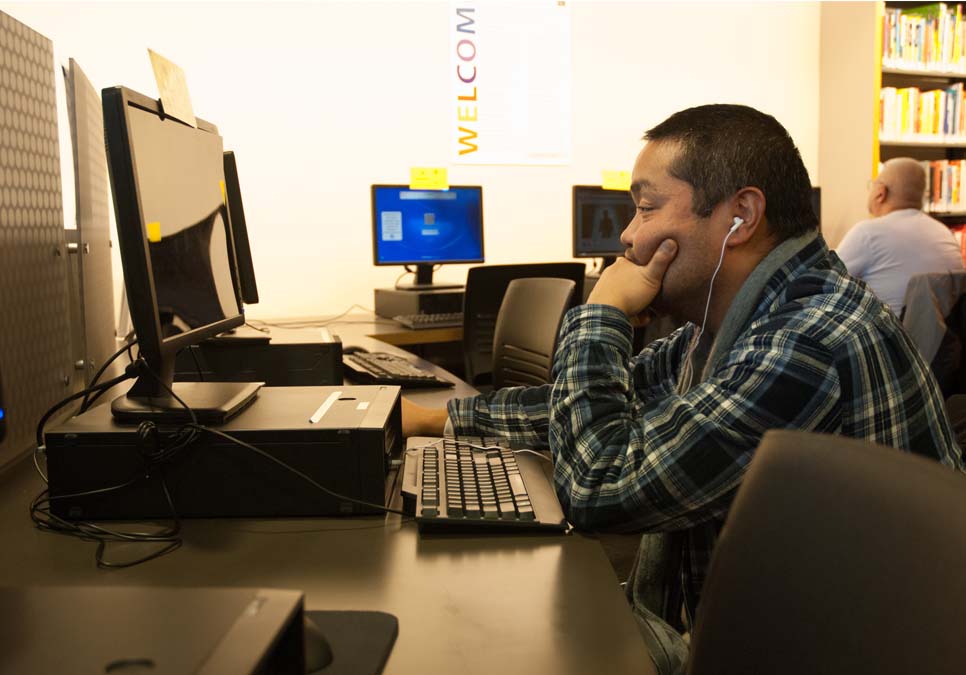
[382, 368]
[424, 321]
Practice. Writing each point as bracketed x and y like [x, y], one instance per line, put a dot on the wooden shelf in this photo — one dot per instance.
[925, 72]
[923, 142]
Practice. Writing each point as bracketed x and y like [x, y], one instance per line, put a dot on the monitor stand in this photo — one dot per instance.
[211, 402]
[424, 280]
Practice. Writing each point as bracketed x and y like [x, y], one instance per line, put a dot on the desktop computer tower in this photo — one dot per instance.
[391, 302]
[281, 358]
[348, 448]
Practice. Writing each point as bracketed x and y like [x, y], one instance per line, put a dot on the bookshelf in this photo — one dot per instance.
[852, 74]
[921, 106]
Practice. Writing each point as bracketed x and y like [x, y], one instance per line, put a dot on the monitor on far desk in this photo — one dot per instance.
[599, 217]
[247, 287]
[244, 265]
[426, 228]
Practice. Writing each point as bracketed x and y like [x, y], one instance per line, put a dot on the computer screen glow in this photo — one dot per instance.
[599, 218]
[427, 226]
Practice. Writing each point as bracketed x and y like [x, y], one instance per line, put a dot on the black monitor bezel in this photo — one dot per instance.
[816, 200]
[573, 225]
[375, 231]
[132, 232]
[247, 286]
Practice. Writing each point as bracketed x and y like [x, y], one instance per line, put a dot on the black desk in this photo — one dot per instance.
[467, 604]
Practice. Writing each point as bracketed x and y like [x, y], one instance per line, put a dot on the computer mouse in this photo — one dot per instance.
[353, 349]
[318, 652]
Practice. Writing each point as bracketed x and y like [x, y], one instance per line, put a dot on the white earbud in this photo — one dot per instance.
[738, 223]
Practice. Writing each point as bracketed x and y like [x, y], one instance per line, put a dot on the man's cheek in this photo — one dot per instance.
[646, 247]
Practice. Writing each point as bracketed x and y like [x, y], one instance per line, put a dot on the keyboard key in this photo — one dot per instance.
[516, 484]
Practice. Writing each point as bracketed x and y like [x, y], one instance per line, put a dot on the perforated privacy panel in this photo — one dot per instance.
[34, 337]
[93, 222]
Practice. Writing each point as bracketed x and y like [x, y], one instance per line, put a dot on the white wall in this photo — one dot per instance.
[319, 100]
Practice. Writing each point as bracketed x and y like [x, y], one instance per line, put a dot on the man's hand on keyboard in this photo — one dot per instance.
[419, 420]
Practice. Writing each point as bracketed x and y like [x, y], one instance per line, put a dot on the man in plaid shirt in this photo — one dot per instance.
[778, 336]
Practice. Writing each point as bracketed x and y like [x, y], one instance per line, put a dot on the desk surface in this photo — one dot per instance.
[466, 604]
[359, 333]
[359, 323]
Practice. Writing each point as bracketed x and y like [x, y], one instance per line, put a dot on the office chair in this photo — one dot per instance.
[837, 556]
[525, 337]
[485, 288]
[934, 316]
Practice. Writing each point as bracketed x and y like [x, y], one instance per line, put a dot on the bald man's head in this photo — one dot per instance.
[905, 180]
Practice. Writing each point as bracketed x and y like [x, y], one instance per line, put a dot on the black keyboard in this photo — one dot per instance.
[382, 368]
[479, 483]
[419, 321]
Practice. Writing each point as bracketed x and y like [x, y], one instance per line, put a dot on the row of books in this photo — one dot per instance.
[945, 191]
[909, 113]
[927, 37]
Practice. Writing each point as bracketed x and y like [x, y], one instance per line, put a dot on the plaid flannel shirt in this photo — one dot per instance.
[819, 352]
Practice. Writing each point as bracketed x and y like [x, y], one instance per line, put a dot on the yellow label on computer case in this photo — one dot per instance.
[154, 232]
[224, 195]
[615, 180]
[428, 178]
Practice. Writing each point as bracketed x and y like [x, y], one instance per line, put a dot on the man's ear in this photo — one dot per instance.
[882, 195]
[748, 204]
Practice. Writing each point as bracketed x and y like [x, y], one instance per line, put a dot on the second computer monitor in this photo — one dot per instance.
[599, 218]
[239, 232]
[426, 227]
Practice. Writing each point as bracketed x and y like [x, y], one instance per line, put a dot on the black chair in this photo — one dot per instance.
[837, 556]
[525, 337]
[934, 316]
[485, 288]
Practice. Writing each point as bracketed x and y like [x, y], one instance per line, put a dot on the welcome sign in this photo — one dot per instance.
[511, 82]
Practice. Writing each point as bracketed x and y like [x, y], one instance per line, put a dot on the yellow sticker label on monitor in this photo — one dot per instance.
[224, 194]
[616, 180]
[154, 232]
[428, 178]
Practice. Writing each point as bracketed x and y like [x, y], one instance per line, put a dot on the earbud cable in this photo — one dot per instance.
[688, 367]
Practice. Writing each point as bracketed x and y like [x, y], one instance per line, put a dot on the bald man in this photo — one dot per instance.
[900, 240]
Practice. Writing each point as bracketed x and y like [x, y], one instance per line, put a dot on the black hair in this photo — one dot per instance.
[724, 148]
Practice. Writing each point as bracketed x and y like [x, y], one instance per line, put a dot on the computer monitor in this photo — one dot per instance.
[599, 218]
[426, 228]
[175, 240]
[239, 230]
[817, 204]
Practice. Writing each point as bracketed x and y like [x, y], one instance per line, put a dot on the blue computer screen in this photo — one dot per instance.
[427, 226]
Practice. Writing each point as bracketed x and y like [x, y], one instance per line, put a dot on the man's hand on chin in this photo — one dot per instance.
[630, 287]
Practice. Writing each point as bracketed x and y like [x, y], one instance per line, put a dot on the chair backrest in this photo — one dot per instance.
[934, 316]
[837, 556]
[525, 337]
[485, 288]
